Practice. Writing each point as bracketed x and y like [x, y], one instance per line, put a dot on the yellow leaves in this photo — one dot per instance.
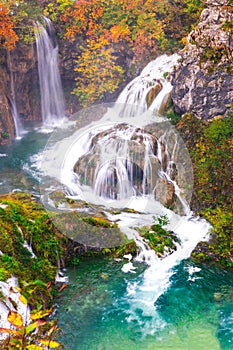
[34, 347]
[15, 319]
[51, 344]
[40, 314]
[184, 40]
[98, 72]
[23, 299]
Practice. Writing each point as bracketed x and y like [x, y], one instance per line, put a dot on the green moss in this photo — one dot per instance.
[97, 221]
[173, 117]
[213, 54]
[4, 274]
[23, 219]
[221, 244]
[210, 145]
[228, 26]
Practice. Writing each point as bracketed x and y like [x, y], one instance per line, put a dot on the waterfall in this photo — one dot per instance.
[152, 78]
[52, 99]
[19, 131]
[128, 159]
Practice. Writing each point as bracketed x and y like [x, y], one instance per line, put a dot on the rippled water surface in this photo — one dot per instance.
[195, 312]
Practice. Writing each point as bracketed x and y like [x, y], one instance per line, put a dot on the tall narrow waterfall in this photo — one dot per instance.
[14, 111]
[52, 99]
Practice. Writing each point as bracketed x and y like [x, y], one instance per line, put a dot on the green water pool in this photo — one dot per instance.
[194, 313]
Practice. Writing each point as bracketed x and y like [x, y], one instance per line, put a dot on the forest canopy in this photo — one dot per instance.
[109, 33]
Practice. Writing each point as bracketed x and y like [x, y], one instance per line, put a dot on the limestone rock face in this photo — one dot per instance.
[22, 68]
[6, 120]
[19, 82]
[203, 82]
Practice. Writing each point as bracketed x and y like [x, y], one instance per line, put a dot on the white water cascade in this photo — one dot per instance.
[52, 99]
[19, 131]
[126, 159]
[152, 76]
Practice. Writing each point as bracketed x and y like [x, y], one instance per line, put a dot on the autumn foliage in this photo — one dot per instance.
[8, 36]
[108, 35]
[112, 31]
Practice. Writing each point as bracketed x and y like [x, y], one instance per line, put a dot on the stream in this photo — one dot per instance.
[104, 160]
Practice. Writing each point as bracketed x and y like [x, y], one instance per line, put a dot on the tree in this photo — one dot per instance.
[8, 36]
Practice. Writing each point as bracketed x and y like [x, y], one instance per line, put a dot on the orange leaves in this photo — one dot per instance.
[31, 336]
[112, 31]
[8, 37]
[15, 319]
[119, 32]
[84, 18]
[8, 331]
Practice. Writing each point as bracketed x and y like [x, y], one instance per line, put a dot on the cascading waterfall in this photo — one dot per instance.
[117, 162]
[19, 131]
[52, 99]
[123, 169]
[152, 78]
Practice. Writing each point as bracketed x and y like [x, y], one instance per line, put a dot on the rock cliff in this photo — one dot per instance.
[18, 69]
[19, 81]
[6, 119]
[203, 82]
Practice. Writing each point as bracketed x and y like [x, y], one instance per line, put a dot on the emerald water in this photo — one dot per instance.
[194, 313]
[16, 162]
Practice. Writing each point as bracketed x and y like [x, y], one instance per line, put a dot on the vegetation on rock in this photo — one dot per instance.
[23, 220]
[211, 148]
[159, 239]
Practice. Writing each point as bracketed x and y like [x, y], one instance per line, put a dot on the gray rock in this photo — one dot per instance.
[203, 81]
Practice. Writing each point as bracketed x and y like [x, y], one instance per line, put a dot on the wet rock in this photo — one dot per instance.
[165, 192]
[165, 104]
[154, 91]
[117, 156]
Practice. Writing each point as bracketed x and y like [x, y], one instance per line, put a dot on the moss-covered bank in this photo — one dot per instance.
[210, 145]
[24, 225]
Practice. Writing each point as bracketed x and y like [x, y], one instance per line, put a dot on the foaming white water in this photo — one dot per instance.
[106, 143]
[156, 279]
[135, 93]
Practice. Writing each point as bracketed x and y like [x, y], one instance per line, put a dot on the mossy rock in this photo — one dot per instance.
[22, 220]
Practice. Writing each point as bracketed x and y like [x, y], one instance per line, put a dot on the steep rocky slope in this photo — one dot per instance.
[203, 83]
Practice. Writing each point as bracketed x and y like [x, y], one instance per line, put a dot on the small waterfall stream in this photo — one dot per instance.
[19, 131]
[52, 99]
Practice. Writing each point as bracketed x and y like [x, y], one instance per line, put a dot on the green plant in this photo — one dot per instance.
[33, 336]
[158, 237]
[75, 261]
[5, 135]
[173, 117]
